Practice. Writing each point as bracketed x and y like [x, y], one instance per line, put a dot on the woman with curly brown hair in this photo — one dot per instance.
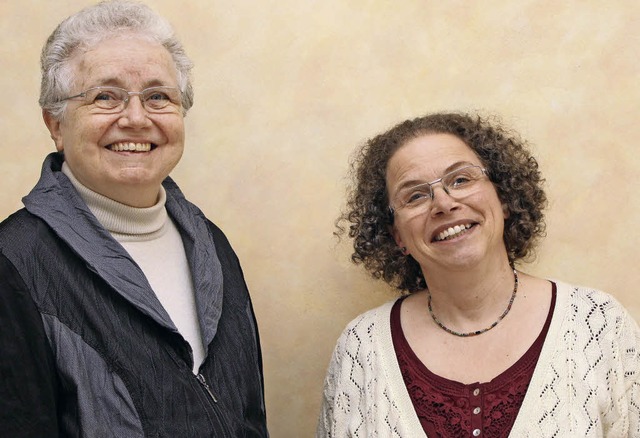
[443, 207]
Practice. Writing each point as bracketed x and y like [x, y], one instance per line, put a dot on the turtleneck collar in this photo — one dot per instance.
[124, 222]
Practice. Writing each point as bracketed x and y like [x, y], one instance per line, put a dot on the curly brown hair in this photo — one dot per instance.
[510, 166]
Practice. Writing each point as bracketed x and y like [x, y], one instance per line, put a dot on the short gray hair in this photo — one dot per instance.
[97, 23]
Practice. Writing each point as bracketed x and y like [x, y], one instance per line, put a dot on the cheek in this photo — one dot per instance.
[172, 126]
[407, 231]
[78, 133]
[500, 208]
[178, 132]
[494, 203]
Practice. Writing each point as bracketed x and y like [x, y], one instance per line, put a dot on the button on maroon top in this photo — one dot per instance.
[447, 408]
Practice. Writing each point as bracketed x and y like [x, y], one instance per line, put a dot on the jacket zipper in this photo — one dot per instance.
[206, 386]
[219, 416]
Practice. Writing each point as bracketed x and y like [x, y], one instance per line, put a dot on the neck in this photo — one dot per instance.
[137, 197]
[123, 221]
[134, 195]
[473, 293]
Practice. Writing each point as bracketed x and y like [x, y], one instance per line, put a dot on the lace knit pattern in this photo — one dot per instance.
[586, 382]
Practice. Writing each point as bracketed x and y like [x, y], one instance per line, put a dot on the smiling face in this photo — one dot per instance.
[448, 233]
[97, 146]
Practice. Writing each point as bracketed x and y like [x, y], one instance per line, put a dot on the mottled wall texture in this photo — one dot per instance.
[286, 89]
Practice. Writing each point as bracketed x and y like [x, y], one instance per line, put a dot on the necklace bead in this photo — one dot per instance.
[484, 330]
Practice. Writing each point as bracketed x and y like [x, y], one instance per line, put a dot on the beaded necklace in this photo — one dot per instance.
[484, 330]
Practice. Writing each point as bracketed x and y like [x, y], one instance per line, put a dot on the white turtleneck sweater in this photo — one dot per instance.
[153, 241]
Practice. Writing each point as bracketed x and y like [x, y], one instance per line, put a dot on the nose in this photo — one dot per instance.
[134, 114]
[442, 201]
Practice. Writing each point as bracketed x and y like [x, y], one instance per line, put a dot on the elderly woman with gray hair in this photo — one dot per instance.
[123, 310]
[443, 208]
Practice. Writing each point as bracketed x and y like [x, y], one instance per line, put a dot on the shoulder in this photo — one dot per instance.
[21, 231]
[375, 317]
[17, 221]
[368, 330]
[189, 215]
[364, 342]
[583, 300]
[218, 235]
[596, 314]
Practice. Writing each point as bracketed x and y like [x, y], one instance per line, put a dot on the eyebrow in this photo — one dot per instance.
[116, 82]
[409, 184]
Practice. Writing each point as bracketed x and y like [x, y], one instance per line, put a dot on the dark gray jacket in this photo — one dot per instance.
[86, 349]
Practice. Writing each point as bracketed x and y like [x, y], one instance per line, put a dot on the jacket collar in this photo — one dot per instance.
[55, 201]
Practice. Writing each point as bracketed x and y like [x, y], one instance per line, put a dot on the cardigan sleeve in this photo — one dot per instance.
[327, 421]
[630, 353]
[363, 389]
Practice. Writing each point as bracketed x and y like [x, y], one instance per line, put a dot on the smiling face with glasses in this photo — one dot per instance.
[122, 131]
[445, 208]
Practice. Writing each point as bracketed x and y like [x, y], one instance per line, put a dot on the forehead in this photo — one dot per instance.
[427, 157]
[433, 147]
[129, 61]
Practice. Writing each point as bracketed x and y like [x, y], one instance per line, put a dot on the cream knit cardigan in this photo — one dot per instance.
[586, 382]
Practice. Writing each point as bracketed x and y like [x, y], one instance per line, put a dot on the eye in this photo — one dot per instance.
[416, 196]
[106, 95]
[158, 95]
[157, 98]
[463, 178]
[459, 181]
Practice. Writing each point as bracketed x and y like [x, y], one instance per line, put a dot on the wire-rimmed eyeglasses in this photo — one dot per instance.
[458, 183]
[116, 99]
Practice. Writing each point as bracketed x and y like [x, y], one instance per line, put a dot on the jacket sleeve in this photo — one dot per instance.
[28, 383]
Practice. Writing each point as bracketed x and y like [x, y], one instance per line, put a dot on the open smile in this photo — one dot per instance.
[453, 232]
[131, 147]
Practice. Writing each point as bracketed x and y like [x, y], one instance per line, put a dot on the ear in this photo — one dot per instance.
[53, 125]
[396, 236]
[505, 211]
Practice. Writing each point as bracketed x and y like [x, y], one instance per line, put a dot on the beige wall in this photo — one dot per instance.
[286, 89]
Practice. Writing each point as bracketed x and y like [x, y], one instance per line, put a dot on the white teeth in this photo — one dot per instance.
[452, 231]
[130, 147]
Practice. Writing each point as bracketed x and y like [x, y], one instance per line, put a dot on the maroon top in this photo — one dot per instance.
[447, 408]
